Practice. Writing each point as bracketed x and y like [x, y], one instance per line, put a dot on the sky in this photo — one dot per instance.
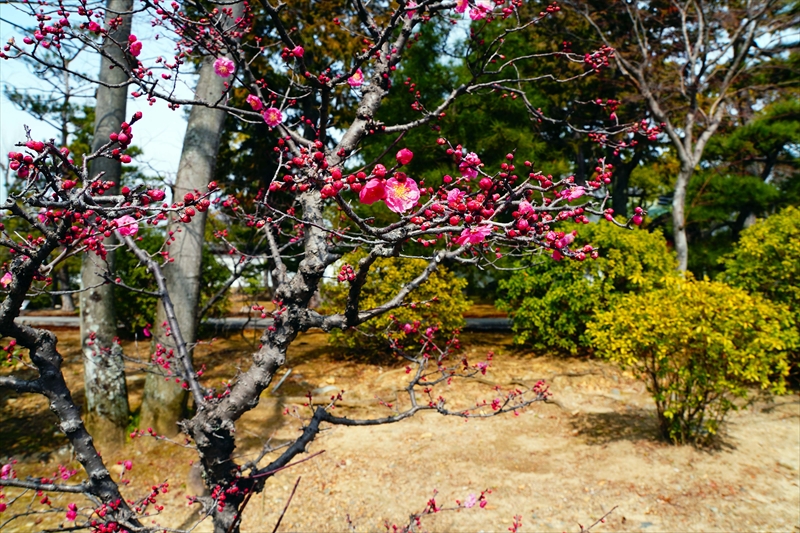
[159, 134]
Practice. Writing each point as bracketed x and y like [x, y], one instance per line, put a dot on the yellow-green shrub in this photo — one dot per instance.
[766, 260]
[698, 345]
[437, 302]
[550, 302]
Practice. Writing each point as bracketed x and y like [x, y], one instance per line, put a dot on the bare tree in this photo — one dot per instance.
[688, 60]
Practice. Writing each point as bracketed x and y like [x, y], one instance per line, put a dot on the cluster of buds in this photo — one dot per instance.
[124, 139]
[346, 273]
[599, 59]
[23, 163]
[151, 499]
[287, 54]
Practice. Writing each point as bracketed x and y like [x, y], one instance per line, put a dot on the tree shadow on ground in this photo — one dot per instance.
[29, 428]
[635, 425]
[604, 428]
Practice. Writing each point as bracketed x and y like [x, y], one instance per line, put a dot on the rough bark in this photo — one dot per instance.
[106, 392]
[164, 400]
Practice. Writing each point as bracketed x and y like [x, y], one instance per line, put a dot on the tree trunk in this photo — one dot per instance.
[67, 303]
[164, 400]
[679, 217]
[619, 196]
[106, 392]
[580, 161]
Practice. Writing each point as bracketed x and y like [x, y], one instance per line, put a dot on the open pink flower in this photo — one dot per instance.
[574, 193]
[374, 190]
[454, 196]
[469, 165]
[471, 499]
[255, 102]
[6, 280]
[410, 13]
[402, 193]
[474, 235]
[405, 156]
[272, 116]
[525, 208]
[136, 48]
[356, 79]
[224, 67]
[461, 5]
[127, 226]
[298, 51]
[564, 241]
[481, 9]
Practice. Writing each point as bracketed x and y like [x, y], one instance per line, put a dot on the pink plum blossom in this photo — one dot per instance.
[474, 235]
[461, 5]
[127, 226]
[469, 165]
[356, 79]
[454, 196]
[402, 193]
[525, 208]
[298, 51]
[272, 116]
[405, 156]
[374, 190]
[72, 513]
[564, 241]
[224, 67]
[574, 193]
[557, 256]
[255, 102]
[471, 499]
[481, 9]
[410, 12]
[136, 48]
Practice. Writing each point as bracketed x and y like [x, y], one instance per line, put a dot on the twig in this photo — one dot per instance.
[601, 519]
[287, 504]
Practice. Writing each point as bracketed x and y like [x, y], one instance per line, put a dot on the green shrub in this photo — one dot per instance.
[766, 260]
[387, 274]
[551, 301]
[698, 345]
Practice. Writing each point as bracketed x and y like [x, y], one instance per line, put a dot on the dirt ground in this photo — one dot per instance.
[556, 465]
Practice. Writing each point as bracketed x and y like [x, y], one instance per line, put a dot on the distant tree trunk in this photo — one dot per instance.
[67, 303]
[104, 370]
[164, 400]
[619, 196]
[580, 161]
[622, 179]
[679, 217]
[62, 274]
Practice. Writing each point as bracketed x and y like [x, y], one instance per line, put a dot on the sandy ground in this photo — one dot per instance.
[556, 466]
